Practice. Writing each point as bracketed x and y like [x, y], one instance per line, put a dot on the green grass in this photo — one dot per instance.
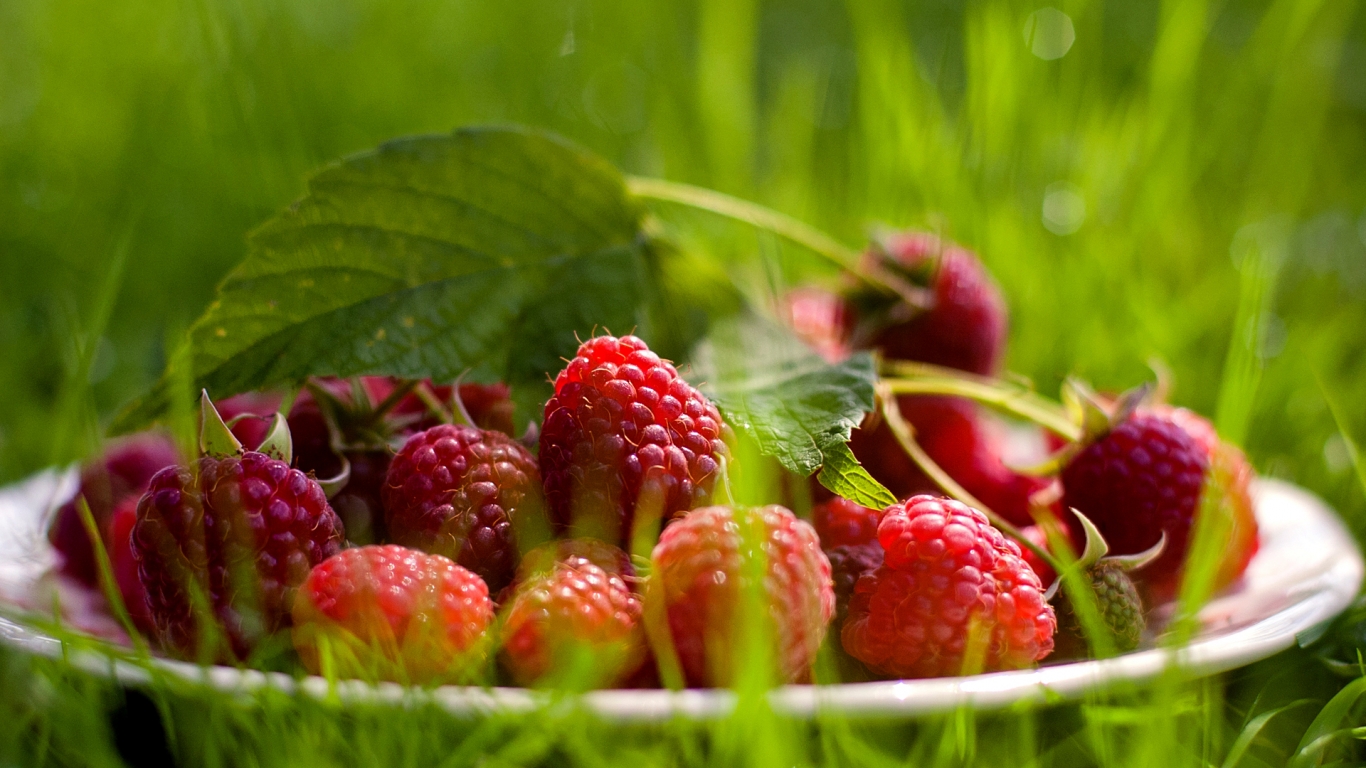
[1216, 148]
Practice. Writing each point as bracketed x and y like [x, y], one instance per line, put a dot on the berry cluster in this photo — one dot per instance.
[400, 530]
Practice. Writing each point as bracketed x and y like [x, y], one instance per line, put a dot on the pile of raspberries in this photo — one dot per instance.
[408, 535]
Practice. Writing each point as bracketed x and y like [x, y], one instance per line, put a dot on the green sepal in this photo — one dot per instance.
[1096, 547]
[215, 439]
[333, 485]
[278, 444]
[1140, 559]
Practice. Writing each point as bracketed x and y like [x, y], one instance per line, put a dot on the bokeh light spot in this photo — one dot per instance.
[1049, 33]
[1064, 209]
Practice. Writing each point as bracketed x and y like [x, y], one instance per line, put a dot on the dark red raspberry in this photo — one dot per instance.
[576, 624]
[623, 427]
[489, 406]
[125, 567]
[821, 318]
[840, 522]
[252, 411]
[1142, 478]
[121, 472]
[390, 613]
[1229, 480]
[542, 559]
[360, 423]
[461, 492]
[953, 596]
[958, 438]
[238, 533]
[1035, 534]
[848, 562]
[965, 328]
[701, 579]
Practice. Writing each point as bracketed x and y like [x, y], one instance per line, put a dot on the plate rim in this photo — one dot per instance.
[1323, 599]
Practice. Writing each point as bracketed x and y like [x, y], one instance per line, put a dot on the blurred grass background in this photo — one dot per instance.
[1113, 162]
[1124, 168]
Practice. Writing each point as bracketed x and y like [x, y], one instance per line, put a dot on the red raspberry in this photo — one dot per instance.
[121, 472]
[840, 522]
[125, 567]
[949, 579]
[822, 319]
[1229, 479]
[702, 567]
[576, 624]
[241, 533]
[389, 613]
[965, 328]
[621, 426]
[1142, 478]
[460, 492]
[957, 437]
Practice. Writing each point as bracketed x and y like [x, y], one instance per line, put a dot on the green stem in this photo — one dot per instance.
[905, 435]
[781, 225]
[923, 379]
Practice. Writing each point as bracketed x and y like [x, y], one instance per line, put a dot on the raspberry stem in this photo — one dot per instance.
[905, 435]
[909, 378]
[782, 225]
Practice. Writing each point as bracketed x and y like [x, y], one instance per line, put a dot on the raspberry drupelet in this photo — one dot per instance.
[624, 429]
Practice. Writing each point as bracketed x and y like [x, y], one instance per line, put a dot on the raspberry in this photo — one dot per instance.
[125, 567]
[489, 405]
[460, 492]
[1142, 478]
[958, 438]
[1044, 571]
[965, 328]
[361, 422]
[252, 411]
[542, 559]
[1121, 612]
[953, 597]
[620, 427]
[575, 624]
[1230, 479]
[822, 319]
[704, 567]
[390, 613]
[238, 533]
[847, 564]
[121, 472]
[840, 522]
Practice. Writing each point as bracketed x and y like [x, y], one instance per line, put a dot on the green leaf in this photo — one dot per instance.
[797, 407]
[483, 251]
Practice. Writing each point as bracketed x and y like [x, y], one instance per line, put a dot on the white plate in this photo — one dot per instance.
[1307, 570]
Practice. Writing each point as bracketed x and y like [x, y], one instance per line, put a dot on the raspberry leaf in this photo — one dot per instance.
[797, 407]
[482, 251]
